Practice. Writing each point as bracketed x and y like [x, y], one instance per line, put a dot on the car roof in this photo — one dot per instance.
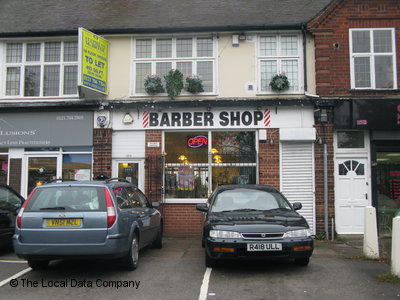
[109, 182]
[261, 187]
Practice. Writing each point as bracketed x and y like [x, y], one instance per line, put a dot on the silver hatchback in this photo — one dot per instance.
[86, 219]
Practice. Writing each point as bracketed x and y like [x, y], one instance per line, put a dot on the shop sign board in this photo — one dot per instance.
[381, 114]
[46, 129]
[93, 60]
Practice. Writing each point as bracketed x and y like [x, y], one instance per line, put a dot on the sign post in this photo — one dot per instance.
[93, 58]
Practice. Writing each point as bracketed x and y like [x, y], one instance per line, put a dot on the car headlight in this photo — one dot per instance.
[297, 233]
[222, 234]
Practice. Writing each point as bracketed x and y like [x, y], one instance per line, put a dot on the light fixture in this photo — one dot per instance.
[127, 119]
[182, 157]
[235, 40]
[214, 151]
[271, 142]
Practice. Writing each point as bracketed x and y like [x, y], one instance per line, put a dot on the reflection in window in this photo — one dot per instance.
[77, 166]
[350, 139]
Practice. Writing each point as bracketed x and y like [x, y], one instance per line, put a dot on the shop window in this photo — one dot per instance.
[350, 139]
[388, 188]
[194, 164]
[351, 165]
[3, 165]
[77, 166]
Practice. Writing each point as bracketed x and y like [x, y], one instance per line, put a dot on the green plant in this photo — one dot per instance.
[194, 84]
[153, 84]
[389, 277]
[320, 236]
[279, 82]
[174, 83]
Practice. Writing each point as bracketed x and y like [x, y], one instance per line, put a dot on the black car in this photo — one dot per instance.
[254, 222]
[10, 203]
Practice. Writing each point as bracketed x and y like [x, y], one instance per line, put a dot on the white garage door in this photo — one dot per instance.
[297, 177]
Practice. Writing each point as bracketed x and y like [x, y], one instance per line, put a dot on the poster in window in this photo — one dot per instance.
[82, 174]
[186, 179]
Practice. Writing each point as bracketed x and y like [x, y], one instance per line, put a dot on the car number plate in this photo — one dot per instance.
[264, 247]
[63, 222]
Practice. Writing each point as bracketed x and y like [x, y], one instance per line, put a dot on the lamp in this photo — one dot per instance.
[182, 158]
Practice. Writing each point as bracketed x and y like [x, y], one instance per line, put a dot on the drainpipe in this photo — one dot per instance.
[303, 31]
[326, 190]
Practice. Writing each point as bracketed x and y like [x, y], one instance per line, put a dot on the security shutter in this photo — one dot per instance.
[128, 144]
[297, 177]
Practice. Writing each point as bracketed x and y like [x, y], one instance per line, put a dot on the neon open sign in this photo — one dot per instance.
[198, 141]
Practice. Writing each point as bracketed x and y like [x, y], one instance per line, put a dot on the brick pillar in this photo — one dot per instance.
[325, 132]
[102, 155]
[15, 174]
[269, 160]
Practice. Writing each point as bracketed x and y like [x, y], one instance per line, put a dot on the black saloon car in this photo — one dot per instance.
[10, 203]
[254, 221]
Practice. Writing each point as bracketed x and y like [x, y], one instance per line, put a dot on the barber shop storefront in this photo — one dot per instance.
[37, 147]
[369, 131]
[187, 153]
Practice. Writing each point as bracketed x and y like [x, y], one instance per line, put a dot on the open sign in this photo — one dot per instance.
[198, 141]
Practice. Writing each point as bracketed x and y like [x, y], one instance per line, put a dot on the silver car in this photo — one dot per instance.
[86, 219]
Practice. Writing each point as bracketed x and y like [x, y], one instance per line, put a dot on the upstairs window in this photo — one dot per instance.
[277, 54]
[373, 64]
[191, 56]
[41, 69]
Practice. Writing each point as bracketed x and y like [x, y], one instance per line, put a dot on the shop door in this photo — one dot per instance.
[351, 195]
[40, 171]
[131, 170]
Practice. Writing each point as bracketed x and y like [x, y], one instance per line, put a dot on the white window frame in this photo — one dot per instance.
[41, 63]
[372, 56]
[173, 60]
[279, 58]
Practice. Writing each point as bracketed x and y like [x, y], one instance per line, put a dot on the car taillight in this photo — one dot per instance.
[111, 213]
[21, 210]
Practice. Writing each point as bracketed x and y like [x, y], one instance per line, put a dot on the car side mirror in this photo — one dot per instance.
[155, 204]
[202, 207]
[297, 205]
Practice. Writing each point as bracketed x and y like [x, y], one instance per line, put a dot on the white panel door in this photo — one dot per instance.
[351, 195]
[297, 177]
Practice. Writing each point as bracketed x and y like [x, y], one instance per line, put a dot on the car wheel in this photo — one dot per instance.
[303, 261]
[130, 261]
[38, 264]
[158, 241]
[210, 262]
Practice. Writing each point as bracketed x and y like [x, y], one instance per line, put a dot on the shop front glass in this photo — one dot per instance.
[388, 187]
[197, 162]
[3, 165]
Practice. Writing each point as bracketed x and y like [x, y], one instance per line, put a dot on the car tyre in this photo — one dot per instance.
[130, 261]
[38, 264]
[303, 261]
[210, 262]
[157, 243]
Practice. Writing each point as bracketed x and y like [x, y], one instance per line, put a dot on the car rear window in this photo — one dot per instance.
[238, 199]
[68, 198]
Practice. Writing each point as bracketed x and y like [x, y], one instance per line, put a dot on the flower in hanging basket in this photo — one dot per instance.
[173, 83]
[279, 82]
[153, 84]
[194, 84]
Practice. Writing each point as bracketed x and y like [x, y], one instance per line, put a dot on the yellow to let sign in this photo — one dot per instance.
[94, 61]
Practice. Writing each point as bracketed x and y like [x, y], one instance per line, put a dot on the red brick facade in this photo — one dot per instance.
[332, 48]
[15, 174]
[269, 160]
[102, 152]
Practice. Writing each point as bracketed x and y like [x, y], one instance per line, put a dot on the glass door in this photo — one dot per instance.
[40, 171]
[131, 170]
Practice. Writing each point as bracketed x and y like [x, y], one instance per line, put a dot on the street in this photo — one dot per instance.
[178, 272]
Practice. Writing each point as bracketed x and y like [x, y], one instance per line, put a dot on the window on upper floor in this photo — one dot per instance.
[41, 69]
[277, 54]
[373, 59]
[190, 55]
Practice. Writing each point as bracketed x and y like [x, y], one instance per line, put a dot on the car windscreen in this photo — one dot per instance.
[249, 199]
[68, 198]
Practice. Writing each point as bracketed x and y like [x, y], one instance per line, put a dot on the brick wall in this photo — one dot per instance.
[182, 219]
[325, 132]
[333, 63]
[269, 160]
[102, 155]
[15, 174]
[153, 166]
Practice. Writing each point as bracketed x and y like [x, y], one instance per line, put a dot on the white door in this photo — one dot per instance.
[131, 170]
[351, 195]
